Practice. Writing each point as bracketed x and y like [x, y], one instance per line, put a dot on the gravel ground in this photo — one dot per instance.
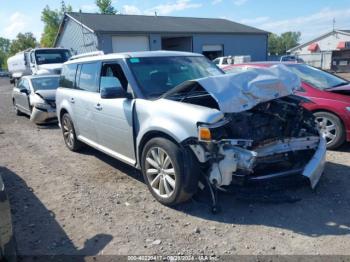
[88, 203]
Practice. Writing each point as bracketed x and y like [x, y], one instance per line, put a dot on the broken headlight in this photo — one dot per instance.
[212, 132]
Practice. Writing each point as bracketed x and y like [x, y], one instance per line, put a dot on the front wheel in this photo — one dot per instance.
[331, 128]
[69, 135]
[169, 175]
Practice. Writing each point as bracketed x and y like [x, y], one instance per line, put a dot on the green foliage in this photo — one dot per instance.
[52, 20]
[4, 45]
[4, 49]
[105, 7]
[278, 45]
[22, 42]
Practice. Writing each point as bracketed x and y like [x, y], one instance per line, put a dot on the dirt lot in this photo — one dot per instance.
[88, 203]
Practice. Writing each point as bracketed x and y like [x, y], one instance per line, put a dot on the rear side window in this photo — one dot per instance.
[88, 77]
[67, 79]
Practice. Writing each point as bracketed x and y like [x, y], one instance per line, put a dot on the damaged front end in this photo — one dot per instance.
[274, 139]
[265, 132]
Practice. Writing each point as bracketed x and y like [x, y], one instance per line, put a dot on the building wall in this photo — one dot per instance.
[328, 43]
[244, 44]
[77, 38]
[235, 45]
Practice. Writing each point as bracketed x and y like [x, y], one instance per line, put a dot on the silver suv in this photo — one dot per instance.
[181, 120]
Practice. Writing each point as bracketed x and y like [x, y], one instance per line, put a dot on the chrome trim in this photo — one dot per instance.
[314, 169]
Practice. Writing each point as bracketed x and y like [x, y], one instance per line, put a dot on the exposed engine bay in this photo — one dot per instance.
[274, 138]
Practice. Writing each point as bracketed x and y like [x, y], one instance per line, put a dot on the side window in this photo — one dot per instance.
[224, 61]
[67, 79]
[32, 58]
[88, 77]
[25, 84]
[20, 84]
[112, 75]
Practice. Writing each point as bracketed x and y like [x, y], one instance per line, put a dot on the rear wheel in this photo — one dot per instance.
[69, 135]
[168, 177]
[331, 128]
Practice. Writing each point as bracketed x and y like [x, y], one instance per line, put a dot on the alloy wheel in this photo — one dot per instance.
[160, 172]
[328, 128]
[68, 132]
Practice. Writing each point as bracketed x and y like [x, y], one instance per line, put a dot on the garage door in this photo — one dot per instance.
[130, 43]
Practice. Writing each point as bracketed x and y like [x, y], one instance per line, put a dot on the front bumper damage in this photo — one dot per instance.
[40, 116]
[232, 158]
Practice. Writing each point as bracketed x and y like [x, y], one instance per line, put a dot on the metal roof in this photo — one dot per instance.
[347, 32]
[159, 24]
[130, 55]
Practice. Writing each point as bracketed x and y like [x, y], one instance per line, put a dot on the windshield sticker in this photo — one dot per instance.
[134, 60]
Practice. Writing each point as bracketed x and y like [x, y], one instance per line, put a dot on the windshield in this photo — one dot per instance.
[45, 83]
[315, 77]
[157, 75]
[52, 56]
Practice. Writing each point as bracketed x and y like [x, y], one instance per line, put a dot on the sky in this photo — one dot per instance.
[312, 18]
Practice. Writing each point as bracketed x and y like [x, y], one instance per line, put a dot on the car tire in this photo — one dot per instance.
[169, 171]
[332, 128]
[69, 134]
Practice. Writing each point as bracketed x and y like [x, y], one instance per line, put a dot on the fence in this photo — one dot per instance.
[321, 60]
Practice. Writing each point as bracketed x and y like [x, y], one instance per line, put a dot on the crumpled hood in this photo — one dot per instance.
[242, 91]
[49, 95]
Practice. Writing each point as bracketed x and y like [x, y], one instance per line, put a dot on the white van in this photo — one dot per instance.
[38, 61]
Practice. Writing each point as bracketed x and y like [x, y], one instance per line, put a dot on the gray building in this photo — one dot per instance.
[85, 32]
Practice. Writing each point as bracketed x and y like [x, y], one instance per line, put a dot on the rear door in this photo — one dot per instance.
[85, 97]
[113, 117]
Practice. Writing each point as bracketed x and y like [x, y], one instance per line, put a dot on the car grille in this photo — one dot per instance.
[52, 104]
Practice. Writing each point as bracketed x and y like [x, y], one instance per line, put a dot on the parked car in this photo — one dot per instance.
[291, 58]
[329, 97]
[37, 61]
[4, 73]
[7, 239]
[180, 119]
[230, 60]
[35, 96]
[223, 61]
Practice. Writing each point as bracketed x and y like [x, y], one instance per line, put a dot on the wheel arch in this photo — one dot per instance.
[147, 137]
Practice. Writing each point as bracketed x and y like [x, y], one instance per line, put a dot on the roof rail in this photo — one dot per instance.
[95, 53]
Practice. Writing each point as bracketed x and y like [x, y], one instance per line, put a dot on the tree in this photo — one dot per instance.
[105, 7]
[4, 49]
[22, 42]
[278, 45]
[4, 45]
[52, 20]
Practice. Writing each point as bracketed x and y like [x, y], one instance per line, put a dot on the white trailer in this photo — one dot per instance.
[38, 61]
[18, 66]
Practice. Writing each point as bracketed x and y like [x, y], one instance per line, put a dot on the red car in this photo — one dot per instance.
[329, 97]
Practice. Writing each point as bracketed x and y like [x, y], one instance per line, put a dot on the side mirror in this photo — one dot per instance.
[113, 92]
[110, 87]
[24, 91]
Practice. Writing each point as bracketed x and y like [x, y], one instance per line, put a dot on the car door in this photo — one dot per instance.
[113, 116]
[21, 95]
[84, 99]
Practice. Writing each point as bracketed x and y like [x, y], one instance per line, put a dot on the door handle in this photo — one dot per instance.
[98, 107]
[72, 100]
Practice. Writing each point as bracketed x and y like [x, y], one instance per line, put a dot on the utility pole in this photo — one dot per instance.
[334, 24]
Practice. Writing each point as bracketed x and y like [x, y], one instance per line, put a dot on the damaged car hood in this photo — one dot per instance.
[242, 91]
[46, 94]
